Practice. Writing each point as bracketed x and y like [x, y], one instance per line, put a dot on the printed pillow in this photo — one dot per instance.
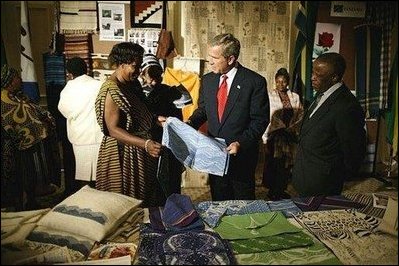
[90, 213]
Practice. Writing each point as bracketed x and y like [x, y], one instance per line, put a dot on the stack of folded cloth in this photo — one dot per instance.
[177, 215]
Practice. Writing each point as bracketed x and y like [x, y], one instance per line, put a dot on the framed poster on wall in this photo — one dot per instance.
[146, 37]
[147, 14]
[111, 21]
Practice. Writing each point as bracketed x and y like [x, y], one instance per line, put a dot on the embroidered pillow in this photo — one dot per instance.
[90, 213]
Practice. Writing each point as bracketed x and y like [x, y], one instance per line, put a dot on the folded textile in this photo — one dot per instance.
[16, 226]
[212, 211]
[321, 203]
[177, 215]
[351, 236]
[389, 223]
[269, 243]
[286, 206]
[254, 225]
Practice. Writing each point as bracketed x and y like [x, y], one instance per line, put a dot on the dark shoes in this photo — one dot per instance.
[278, 196]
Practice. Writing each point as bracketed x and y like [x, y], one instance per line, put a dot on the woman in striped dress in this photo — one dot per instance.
[128, 156]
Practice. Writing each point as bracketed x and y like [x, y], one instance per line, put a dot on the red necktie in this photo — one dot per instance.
[222, 97]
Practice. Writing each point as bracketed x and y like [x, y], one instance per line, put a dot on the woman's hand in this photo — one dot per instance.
[153, 148]
[162, 120]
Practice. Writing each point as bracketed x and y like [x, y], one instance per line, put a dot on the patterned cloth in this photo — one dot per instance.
[367, 202]
[177, 215]
[16, 226]
[7, 75]
[128, 231]
[277, 242]
[349, 234]
[254, 225]
[316, 254]
[79, 45]
[212, 211]
[26, 121]
[287, 107]
[183, 248]
[54, 69]
[122, 168]
[321, 203]
[31, 158]
[389, 223]
[383, 14]
[285, 118]
[54, 76]
[194, 149]
[368, 43]
[286, 206]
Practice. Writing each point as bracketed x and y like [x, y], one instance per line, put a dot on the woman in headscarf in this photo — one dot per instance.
[30, 155]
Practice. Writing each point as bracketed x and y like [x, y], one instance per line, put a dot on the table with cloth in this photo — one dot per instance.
[317, 230]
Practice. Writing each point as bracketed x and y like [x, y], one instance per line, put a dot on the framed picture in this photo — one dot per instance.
[147, 14]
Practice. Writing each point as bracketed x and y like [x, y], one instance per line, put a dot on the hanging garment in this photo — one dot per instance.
[190, 81]
[166, 46]
[368, 72]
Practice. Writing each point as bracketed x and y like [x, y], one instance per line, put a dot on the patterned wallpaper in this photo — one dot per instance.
[261, 27]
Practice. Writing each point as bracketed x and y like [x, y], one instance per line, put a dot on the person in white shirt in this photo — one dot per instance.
[77, 105]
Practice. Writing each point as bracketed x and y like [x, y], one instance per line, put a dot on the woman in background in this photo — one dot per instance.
[30, 154]
[280, 137]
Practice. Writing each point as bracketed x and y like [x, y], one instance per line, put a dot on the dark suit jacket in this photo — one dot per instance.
[332, 146]
[245, 117]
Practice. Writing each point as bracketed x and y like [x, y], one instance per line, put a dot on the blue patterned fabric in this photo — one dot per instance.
[286, 206]
[87, 213]
[54, 69]
[212, 211]
[194, 149]
[47, 235]
[184, 248]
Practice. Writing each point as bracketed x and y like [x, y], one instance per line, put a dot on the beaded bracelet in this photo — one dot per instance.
[146, 144]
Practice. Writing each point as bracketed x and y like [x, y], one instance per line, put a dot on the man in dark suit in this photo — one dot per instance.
[332, 141]
[234, 101]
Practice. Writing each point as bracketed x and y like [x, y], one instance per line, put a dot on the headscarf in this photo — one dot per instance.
[7, 75]
[150, 60]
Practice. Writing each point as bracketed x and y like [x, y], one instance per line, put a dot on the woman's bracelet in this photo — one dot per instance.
[146, 144]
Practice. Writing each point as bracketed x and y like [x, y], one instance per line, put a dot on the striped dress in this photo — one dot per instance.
[127, 169]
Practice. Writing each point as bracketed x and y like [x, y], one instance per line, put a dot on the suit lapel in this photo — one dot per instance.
[308, 123]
